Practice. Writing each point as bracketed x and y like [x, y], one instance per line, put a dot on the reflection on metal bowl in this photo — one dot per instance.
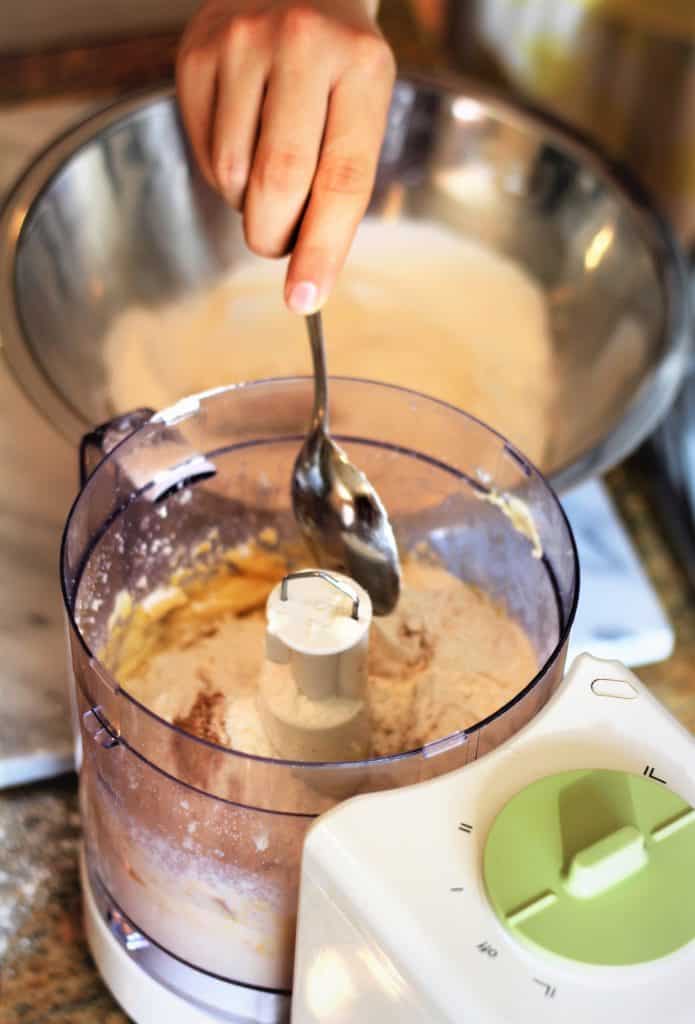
[621, 70]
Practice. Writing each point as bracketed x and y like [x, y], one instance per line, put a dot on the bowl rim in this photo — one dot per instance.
[642, 414]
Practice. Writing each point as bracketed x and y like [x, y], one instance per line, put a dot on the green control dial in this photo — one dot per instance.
[595, 866]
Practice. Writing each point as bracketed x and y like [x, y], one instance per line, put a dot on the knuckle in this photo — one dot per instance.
[199, 36]
[190, 59]
[300, 24]
[265, 249]
[259, 243]
[241, 32]
[373, 54]
[283, 169]
[328, 260]
[231, 173]
[347, 175]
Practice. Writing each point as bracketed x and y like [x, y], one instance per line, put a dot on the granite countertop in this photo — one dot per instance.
[46, 972]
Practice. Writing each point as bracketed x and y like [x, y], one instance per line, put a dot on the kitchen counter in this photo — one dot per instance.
[47, 975]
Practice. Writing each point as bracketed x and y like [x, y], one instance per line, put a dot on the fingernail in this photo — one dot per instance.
[303, 298]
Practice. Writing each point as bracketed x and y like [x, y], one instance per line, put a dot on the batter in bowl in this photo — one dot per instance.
[447, 657]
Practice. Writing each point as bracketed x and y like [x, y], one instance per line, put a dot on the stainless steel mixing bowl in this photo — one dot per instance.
[114, 213]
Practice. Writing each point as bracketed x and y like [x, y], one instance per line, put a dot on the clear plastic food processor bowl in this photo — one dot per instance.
[198, 845]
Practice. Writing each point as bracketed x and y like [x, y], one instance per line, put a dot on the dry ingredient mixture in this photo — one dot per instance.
[193, 653]
[416, 305]
[216, 882]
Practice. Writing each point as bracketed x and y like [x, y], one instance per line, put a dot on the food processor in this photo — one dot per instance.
[536, 862]
[552, 879]
[192, 853]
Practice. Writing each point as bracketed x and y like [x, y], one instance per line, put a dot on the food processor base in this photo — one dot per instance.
[149, 984]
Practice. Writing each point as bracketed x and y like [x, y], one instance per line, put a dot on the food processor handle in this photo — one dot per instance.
[97, 444]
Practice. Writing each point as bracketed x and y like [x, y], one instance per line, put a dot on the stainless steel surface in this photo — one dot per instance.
[622, 71]
[115, 214]
[340, 514]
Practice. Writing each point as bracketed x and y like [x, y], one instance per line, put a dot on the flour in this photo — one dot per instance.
[446, 658]
[416, 305]
[216, 881]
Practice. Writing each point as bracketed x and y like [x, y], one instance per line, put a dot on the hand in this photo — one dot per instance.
[285, 104]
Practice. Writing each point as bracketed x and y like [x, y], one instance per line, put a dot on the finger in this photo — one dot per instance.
[284, 163]
[341, 189]
[241, 82]
[196, 72]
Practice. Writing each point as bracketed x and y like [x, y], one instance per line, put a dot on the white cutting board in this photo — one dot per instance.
[619, 616]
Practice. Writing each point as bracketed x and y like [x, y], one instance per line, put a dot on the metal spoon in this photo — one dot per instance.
[337, 509]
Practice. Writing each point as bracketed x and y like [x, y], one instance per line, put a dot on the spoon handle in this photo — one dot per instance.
[319, 416]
